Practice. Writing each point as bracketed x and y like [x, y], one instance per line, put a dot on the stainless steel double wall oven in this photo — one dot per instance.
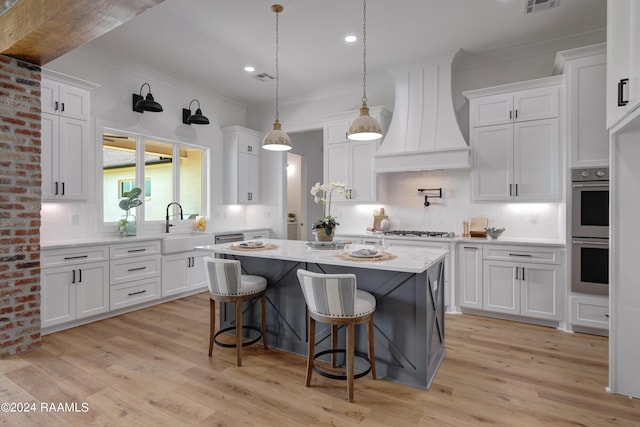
[590, 231]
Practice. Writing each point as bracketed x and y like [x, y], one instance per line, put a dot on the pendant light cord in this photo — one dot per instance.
[277, 67]
[364, 54]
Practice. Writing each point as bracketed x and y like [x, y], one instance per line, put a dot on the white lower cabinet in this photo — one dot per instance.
[74, 285]
[470, 273]
[134, 273]
[512, 280]
[590, 311]
[183, 272]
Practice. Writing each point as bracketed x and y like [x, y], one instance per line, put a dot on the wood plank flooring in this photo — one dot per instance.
[150, 368]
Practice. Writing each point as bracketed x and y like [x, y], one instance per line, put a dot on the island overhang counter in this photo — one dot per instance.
[408, 284]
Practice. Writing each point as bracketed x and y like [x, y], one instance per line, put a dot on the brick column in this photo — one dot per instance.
[20, 190]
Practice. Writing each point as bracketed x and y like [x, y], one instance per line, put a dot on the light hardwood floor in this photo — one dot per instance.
[150, 367]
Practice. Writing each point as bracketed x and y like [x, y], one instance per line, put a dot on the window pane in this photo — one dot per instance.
[191, 181]
[118, 173]
[158, 172]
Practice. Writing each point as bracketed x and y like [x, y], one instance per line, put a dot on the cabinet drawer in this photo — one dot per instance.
[592, 312]
[73, 256]
[128, 250]
[137, 268]
[522, 254]
[133, 293]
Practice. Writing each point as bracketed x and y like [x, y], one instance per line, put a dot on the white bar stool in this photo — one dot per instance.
[227, 284]
[335, 300]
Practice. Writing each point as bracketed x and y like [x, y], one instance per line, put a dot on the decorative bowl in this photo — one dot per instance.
[493, 232]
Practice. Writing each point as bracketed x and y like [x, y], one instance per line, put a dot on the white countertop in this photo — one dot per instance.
[410, 260]
[523, 241]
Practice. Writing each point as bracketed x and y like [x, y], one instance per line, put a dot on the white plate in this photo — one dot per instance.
[365, 253]
[251, 244]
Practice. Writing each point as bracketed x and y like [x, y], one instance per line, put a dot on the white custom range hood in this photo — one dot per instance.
[424, 133]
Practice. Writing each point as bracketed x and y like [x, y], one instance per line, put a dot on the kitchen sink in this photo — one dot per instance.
[185, 242]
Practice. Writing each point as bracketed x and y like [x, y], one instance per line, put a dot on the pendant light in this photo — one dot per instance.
[365, 127]
[276, 139]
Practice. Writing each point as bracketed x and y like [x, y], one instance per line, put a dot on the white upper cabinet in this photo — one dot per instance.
[65, 137]
[515, 138]
[585, 72]
[351, 162]
[64, 100]
[532, 104]
[241, 165]
[623, 59]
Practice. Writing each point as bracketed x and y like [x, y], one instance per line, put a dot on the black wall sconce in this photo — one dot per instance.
[141, 104]
[426, 196]
[197, 118]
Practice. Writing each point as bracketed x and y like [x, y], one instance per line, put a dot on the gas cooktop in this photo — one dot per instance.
[416, 233]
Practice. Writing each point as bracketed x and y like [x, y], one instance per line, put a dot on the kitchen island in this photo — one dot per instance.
[408, 285]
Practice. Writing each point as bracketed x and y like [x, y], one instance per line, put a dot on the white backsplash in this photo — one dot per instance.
[405, 207]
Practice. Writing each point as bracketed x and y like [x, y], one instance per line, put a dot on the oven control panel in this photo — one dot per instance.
[590, 174]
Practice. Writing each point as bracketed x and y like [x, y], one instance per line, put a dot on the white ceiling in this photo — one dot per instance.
[208, 42]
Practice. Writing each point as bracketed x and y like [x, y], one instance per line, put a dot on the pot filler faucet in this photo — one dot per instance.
[167, 225]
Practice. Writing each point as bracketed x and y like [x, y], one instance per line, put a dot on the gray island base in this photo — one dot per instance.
[409, 292]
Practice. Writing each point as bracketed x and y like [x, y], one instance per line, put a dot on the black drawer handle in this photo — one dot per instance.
[137, 269]
[522, 255]
[471, 247]
[76, 257]
[136, 250]
[137, 293]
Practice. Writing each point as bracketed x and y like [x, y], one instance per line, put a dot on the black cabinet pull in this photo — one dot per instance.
[137, 269]
[516, 113]
[471, 247]
[249, 148]
[137, 250]
[137, 293]
[517, 268]
[62, 109]
[510, 115]
[55, 106]
[621, 85]
[79, 275]
[76, 257]
[73, 276]
[522, 273]
[55, 193]
[521, 255]
[516, 189]
[62, 189]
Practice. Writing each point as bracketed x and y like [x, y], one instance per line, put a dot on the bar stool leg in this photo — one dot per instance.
[372, 356]
[350, 356]
[263, 322]
[212, 325]
[238, 331]
[311, 351]
[334, 345]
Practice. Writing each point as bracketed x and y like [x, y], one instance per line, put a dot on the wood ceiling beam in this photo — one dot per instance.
[39, 31]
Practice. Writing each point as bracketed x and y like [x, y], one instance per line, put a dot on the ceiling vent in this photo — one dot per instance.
[264, 77]
[538, 5]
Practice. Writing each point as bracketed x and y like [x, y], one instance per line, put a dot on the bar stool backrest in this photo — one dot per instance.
[223, 275]
[329, 294]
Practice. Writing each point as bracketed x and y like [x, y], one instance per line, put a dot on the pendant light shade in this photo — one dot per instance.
[141, 104]
[277, 139]
[365, 127]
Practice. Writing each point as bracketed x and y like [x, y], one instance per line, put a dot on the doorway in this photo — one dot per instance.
[304, 168]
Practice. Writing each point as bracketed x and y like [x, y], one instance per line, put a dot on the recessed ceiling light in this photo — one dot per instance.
[249, 69]
[350, 38]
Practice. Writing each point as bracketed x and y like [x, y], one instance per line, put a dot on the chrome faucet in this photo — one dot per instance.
[167, 225]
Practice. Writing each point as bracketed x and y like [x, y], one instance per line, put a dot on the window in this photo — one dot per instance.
[129, 159]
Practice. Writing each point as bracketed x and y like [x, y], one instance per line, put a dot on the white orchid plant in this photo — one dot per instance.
[322, 194]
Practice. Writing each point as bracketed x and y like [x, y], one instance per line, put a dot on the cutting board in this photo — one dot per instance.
[477, 226]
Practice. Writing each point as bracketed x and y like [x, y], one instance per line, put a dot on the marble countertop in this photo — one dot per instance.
[523, 241]
[410, 260]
